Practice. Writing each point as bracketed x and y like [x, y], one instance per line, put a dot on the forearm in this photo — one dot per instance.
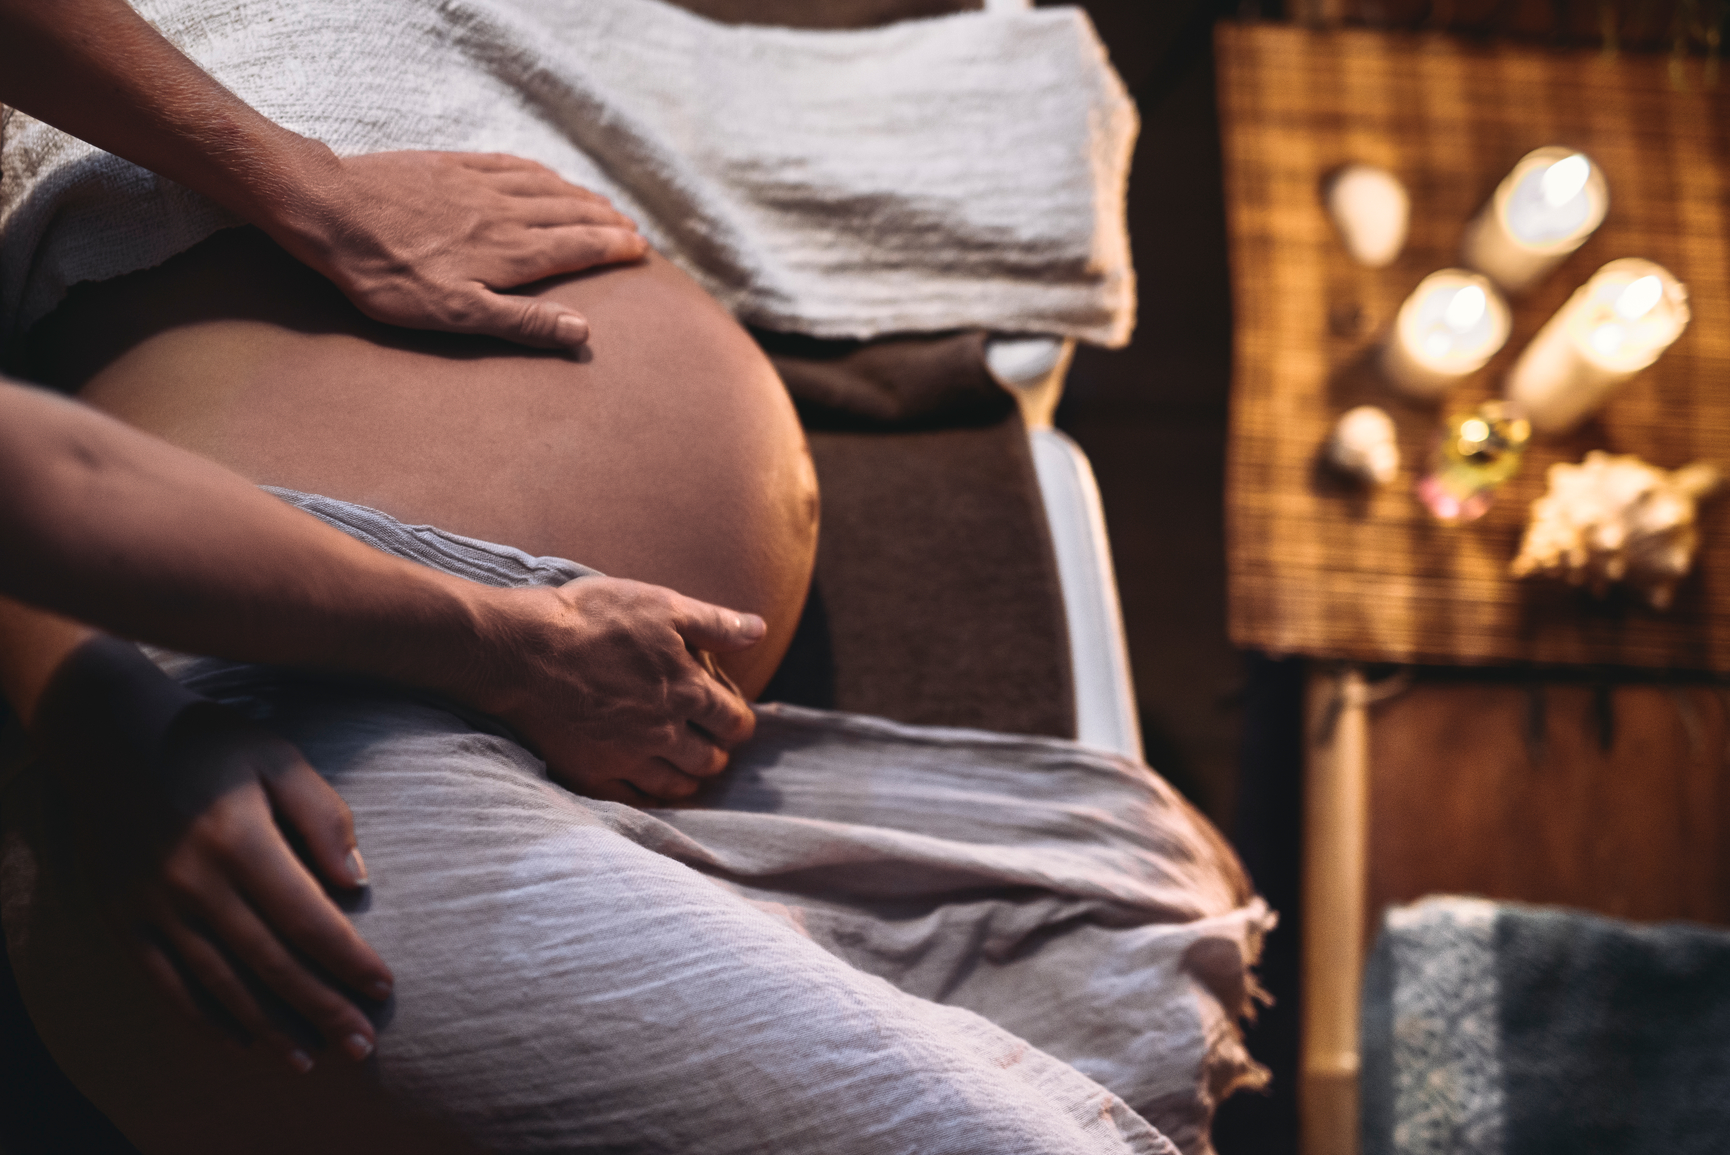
[97, 70]
[107, 525]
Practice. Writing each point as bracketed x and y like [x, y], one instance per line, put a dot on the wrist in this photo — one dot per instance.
[485, 647]
[107, 678]
[291, 201]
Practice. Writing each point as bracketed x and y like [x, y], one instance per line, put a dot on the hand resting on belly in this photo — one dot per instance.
[183, 811]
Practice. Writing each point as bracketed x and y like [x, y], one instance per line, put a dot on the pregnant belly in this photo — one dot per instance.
[667, 451]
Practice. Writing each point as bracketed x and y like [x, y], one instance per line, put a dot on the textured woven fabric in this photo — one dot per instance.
[1322, 568]
[866, 937]
[936, 174]
[1432, 1063]
[1511, 1029]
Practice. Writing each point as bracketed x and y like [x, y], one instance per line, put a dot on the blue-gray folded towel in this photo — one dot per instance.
[1493, 1028]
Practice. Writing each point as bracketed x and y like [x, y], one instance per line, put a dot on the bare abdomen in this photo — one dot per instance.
[668, 452]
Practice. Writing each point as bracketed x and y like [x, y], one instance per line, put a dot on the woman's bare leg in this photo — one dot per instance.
[667, 451]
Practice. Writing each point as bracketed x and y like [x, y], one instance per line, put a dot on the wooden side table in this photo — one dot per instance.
[1319, 569]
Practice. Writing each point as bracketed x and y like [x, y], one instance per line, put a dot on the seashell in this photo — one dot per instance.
[1363, 445]
[1614, 518]
[1370, 208]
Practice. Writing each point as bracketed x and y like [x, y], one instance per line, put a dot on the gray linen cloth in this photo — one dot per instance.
[867, 937]
[1509, 1029]
[961, 172]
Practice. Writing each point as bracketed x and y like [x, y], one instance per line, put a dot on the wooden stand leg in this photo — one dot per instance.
[1336, 788]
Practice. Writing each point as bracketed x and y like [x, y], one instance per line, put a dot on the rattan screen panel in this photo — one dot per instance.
[1318, 568]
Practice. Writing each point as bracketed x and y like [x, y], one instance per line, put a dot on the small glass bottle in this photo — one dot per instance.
[1476, 453]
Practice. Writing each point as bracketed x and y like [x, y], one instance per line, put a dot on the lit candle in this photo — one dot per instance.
[1545, 209]
[1452, 323]
[1613, 326]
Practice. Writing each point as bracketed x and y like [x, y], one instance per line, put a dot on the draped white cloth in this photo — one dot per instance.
[964, 171]
[866, 938]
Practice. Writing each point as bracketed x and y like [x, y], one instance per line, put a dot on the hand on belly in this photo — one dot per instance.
[668, 453]
[602, 678]
[426, 239]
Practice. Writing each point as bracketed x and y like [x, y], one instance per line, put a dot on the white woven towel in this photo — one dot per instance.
[961, 171]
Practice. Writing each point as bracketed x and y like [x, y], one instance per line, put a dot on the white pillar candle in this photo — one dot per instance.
[1545, 209]
[1452, 323]
[1613, 326]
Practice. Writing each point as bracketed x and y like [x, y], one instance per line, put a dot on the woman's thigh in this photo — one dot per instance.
[666, 451]
[560, 987]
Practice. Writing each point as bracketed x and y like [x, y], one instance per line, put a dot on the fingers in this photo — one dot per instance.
[724, 717]
[257, 947]
[544, 202]
[571, 248]
[289, 898]
[319, 815]
[721, 631]
[660, 782]
[536, 321]
[518, 167]
[236, 877]
[518, 176]
[693, 753]
[212, 972]
[539, 323]
[166, 976]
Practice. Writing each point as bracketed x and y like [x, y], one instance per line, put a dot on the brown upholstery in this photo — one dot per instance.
[936, 598]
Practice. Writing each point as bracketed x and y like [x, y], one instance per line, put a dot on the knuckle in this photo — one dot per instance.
[181, 878]
[339, 821]
[679, 786]
[462, 310]
[325, 1006]
[281, 973]
[536, 322]
[300, 926]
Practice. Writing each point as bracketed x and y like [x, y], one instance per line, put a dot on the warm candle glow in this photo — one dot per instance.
[1452, 323]
[1465, 309]
[1545, 209]
[1640, 297]
[1613, 326]
[1566, 179]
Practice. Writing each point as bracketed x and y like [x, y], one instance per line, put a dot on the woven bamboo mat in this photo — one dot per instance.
[1318, 568]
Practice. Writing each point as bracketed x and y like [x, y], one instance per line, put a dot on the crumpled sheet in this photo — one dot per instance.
[866, 937]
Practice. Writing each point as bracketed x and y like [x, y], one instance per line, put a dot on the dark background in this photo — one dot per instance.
[1224, 726]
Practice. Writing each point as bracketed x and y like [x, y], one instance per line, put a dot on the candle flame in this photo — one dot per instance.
[1563, 180]
[1465, 309]
[1640, 297]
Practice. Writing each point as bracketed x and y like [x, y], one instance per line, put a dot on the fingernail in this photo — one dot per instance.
[358, 1046]
[300, 1061]
[752, 626]
[356, 867]
[378, 989]
[570, 330]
